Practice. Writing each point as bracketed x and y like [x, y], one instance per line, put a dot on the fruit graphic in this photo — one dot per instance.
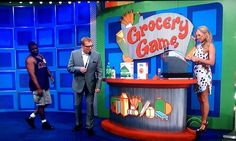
[141, 70]
[162, 108]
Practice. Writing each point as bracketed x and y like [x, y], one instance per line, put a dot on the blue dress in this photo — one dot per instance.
[202, 72]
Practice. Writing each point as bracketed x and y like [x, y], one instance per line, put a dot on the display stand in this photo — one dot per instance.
[169, 125]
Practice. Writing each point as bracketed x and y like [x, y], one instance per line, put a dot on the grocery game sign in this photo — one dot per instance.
[155, 35]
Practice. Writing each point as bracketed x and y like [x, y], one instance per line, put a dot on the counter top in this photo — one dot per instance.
[149, 83]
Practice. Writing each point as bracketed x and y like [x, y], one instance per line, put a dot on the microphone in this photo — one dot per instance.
[86, 65]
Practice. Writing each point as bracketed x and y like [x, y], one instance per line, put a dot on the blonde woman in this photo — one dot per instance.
[203, 58]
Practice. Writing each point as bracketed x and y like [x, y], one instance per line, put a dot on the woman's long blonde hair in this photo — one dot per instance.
[208, 38]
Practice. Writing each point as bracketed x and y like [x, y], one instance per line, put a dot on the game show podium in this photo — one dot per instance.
[168, 99]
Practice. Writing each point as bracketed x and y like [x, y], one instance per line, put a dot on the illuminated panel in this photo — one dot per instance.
[9, 81]
[24, 16]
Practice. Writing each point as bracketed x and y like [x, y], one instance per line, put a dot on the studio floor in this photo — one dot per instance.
[14, 128]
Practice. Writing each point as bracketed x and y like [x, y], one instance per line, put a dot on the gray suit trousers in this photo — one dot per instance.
[89, 107]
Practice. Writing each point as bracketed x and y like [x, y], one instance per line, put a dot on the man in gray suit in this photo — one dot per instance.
[86, 66]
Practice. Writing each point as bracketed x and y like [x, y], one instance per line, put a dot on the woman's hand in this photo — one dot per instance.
[195, 59]
[188, 58]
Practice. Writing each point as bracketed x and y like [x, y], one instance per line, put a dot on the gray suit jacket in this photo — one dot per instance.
[92, 78]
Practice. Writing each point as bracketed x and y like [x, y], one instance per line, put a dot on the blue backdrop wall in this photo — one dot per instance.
[57, 28]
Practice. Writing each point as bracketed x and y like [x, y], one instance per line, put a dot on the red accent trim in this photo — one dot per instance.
[110, 4]
[138, 134]
[160, 83]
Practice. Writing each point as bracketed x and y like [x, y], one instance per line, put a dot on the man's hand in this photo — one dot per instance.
[39, 92]
[52, 79]
[82, 69]
[97, 90]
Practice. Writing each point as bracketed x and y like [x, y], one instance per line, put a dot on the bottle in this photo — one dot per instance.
[113, 73]
[108, 70]
[159, 73]
[235, 94]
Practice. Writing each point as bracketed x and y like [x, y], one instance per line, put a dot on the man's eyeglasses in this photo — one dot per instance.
[91, 46]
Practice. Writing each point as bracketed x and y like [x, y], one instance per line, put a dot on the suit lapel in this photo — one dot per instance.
[91, 58]
[80, 58]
